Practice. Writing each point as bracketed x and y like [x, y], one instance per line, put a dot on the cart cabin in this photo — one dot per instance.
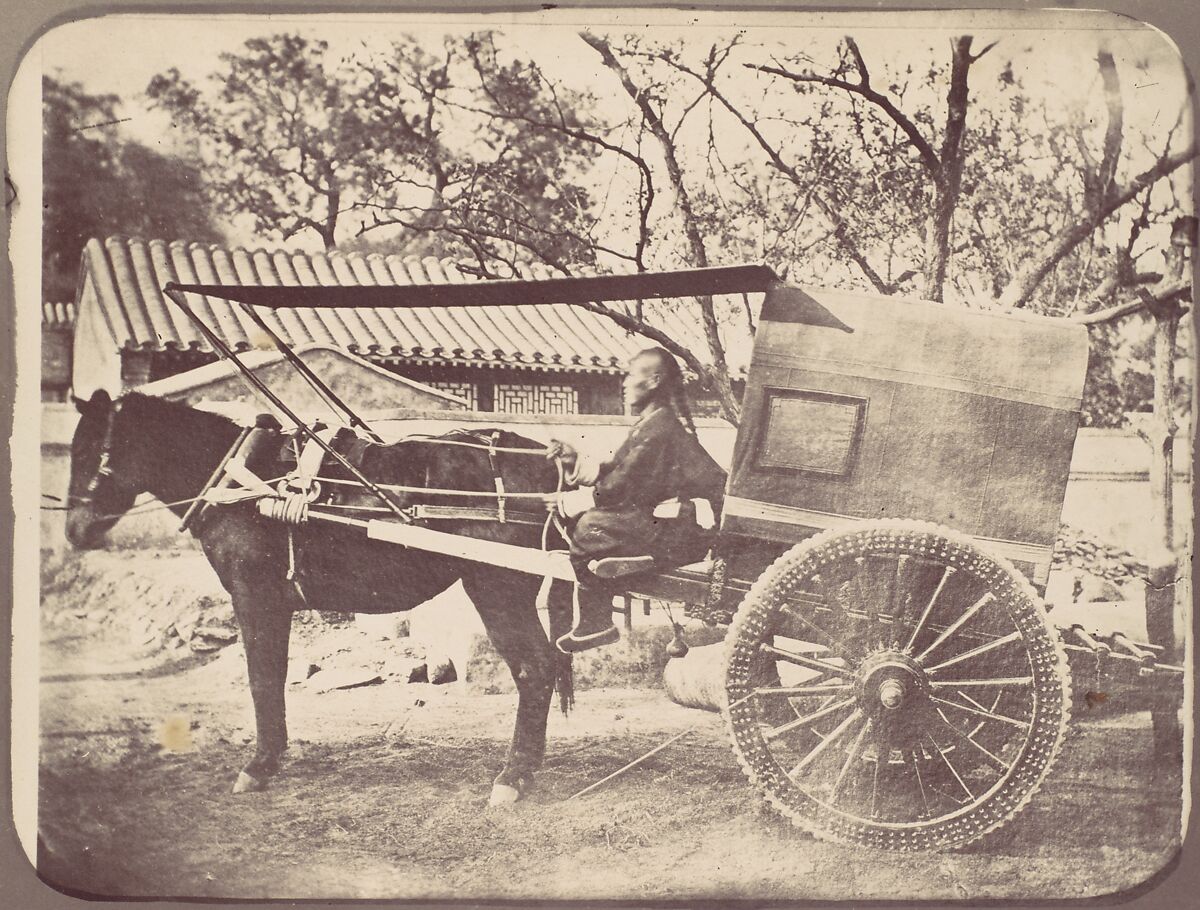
[913, 410]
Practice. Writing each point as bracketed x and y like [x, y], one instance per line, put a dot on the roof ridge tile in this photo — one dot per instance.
[538, 337]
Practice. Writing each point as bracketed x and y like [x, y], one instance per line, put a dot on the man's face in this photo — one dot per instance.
[641, 382]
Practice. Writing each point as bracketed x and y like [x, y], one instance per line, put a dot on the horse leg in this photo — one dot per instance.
[264, 614]
[512, 625]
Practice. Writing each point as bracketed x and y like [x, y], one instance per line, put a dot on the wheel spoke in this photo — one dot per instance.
[990, 715]
[974, 652]
[983, 723]
[841, 598]
[860, 589]
[855, 751]
[999, 681]
[807, 719]
[801, 660]
[824, 744]
[929, 606]
[960, 735]
[798, 691]
[957, 624]
[875, 787]
[942, 755]
[965, 697]
[879, 585]
[906, 571]
[827, 638]
[920, 783]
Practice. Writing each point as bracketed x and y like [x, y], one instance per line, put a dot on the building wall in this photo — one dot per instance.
[520, 391]
[56, 363]
[362, 387]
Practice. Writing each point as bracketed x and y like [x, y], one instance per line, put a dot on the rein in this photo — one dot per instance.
[136, 510]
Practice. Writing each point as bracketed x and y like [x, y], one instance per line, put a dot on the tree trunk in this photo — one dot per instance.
[329, 228]
[949, 182]
[717, 375]
[1162, 589]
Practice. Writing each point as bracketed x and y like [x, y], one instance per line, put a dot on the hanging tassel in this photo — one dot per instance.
[678, 647]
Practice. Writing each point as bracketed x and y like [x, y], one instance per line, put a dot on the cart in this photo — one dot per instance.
[891, 677]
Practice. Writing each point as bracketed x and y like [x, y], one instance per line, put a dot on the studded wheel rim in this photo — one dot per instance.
[895, 686]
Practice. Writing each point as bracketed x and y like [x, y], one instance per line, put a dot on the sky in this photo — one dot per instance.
[121, 53]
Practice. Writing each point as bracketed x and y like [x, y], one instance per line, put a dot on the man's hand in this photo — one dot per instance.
[551, 502]
[563, 452]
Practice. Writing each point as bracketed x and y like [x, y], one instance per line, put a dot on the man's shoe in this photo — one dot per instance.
[575, 641]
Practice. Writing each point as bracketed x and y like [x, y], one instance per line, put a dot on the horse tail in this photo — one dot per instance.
[560, 603]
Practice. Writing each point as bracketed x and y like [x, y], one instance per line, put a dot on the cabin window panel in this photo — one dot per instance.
[813, 432]
[536, 399]
[467, 391]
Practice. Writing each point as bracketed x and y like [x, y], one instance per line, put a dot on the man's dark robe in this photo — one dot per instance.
[659, 461]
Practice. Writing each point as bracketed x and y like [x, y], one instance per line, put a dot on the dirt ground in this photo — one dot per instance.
[383, 797]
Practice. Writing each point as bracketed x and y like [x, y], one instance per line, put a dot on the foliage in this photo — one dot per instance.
[383, 143]
[96, 183]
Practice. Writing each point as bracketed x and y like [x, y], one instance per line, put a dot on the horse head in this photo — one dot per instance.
[99, 492]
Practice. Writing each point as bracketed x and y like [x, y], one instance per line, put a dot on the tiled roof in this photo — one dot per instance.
[58, 315]
[128, 277]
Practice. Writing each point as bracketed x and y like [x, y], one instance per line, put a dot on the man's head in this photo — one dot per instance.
[653, 375]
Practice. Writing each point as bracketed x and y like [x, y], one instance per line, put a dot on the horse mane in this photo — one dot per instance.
[173, 411]
[178, 442]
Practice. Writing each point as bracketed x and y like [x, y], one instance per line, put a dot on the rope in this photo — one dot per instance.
[552, 517]
[142, 509]
[291, 508]
[440, 441]
[439, 491]
[138, 510]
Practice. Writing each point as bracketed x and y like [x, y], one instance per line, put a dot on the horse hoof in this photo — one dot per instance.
[247, 783]
[503, 795]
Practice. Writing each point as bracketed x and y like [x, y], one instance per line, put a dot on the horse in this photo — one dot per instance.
[140, 444]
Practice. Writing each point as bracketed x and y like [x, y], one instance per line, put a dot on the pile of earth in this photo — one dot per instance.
[1080, 551]
[168, 604]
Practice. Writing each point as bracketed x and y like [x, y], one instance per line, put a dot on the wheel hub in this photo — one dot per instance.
[891, 693]
[890, 685]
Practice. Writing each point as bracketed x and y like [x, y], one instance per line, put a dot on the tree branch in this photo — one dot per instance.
[928, 156]
[1020, 289]
[1170, 296]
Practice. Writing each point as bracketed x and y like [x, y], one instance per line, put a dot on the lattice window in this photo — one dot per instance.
[536, 399]
[467, 391]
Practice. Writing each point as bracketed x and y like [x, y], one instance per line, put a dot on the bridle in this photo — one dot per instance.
[104, 467]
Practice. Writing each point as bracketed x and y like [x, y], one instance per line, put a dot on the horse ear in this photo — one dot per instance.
[100, 399]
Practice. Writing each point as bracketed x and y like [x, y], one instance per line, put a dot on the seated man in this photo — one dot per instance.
[659, 495]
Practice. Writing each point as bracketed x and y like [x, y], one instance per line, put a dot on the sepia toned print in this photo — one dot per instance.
[568, 457]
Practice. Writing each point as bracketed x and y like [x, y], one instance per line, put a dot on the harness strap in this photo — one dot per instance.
[308, 465]
[495, 438]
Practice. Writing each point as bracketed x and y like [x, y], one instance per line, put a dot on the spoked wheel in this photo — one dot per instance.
[895, 686]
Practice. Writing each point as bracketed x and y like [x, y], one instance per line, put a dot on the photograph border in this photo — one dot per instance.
[1174, 885]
